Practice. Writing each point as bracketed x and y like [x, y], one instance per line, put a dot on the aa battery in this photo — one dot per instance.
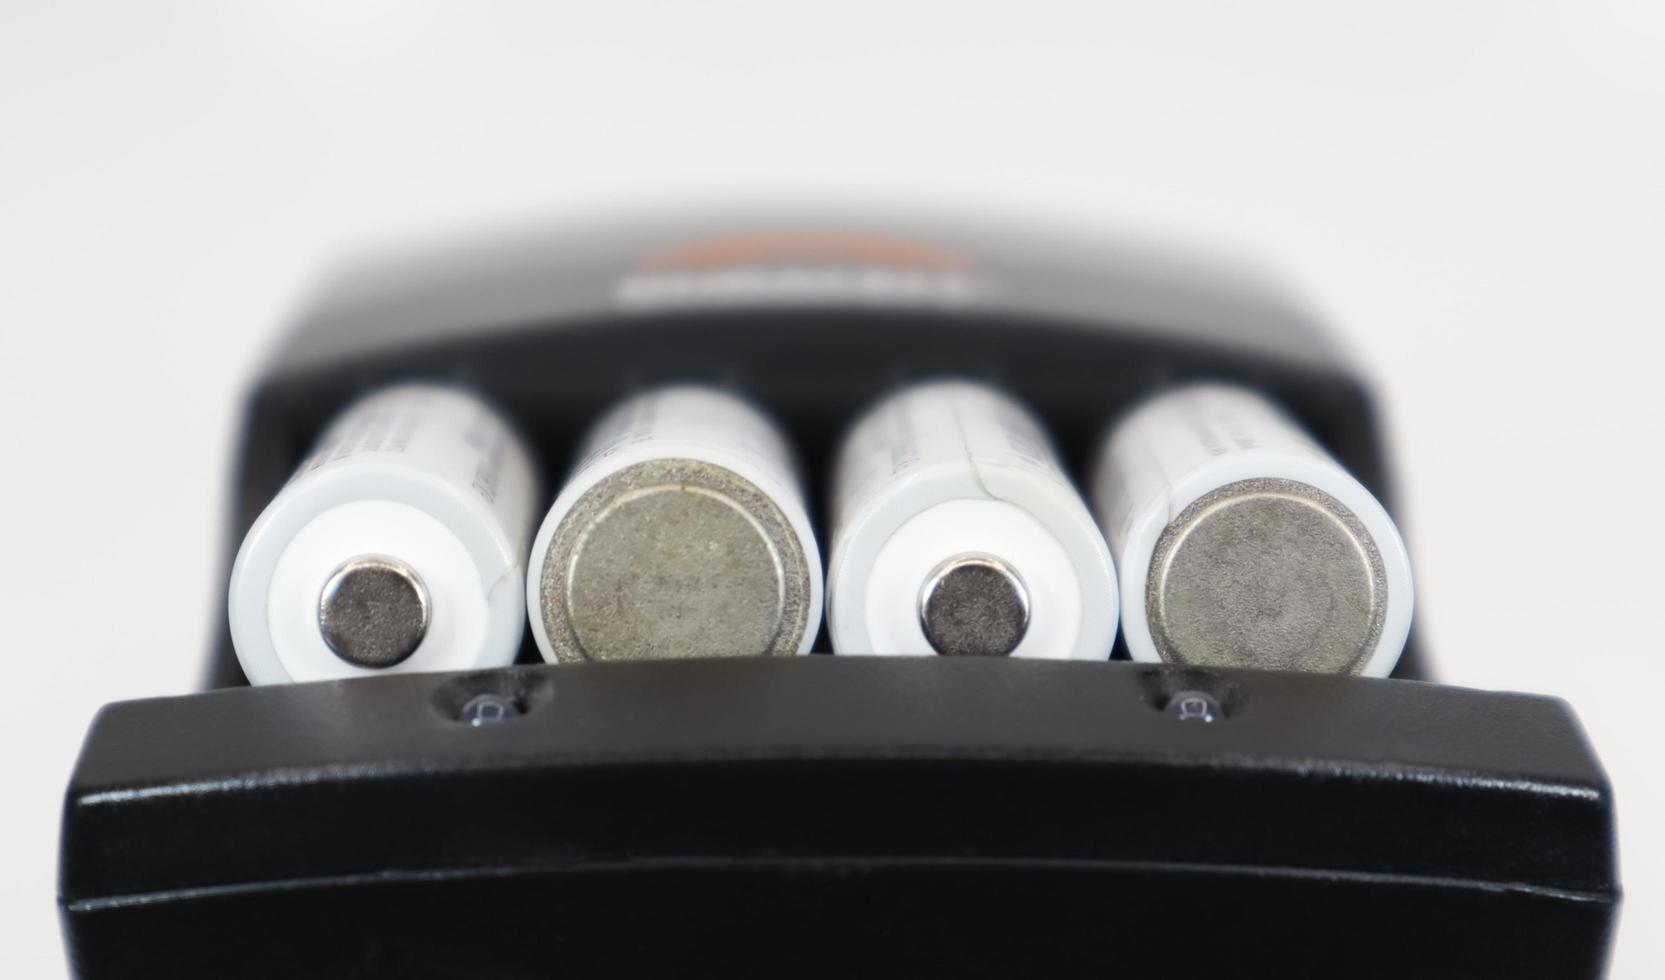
[681, 533]
[956, 531]
[1243, 543]
[398, 545]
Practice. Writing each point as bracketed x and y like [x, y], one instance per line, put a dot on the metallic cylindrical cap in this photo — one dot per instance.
[974, 605]
[674, 558]
[1267, 573]
[373, 611]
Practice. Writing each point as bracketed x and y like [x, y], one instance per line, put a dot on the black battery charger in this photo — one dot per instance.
[827, 816]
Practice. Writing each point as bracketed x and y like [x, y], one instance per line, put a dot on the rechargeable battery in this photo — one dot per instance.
[957, 532]
[1243, 543]
[682, 532]
[398, 545]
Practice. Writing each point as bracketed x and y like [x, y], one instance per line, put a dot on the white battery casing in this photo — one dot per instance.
[1185, 443]
[694, 422]
[425, 474]
[949, 468]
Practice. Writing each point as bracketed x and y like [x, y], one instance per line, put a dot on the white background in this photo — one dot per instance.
[1474, 192]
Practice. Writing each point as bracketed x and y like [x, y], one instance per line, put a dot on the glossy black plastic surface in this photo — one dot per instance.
[820, 815]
